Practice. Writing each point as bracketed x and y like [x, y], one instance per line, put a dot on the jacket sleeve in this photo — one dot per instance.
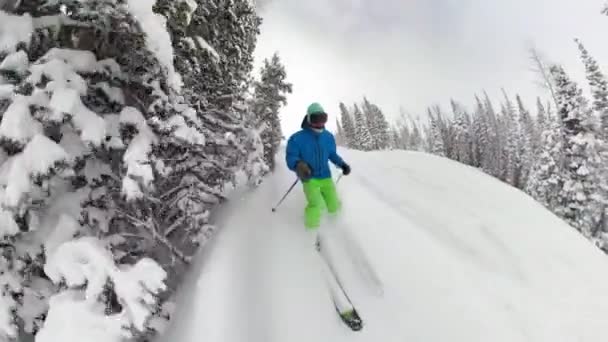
[292, 154]
[333, 154]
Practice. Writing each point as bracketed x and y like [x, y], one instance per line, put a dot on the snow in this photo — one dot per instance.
[185, 132]
[64, 231]
[39, 157]
[14, 29]
[17, 62]
[86, 319]
[158, 40]
[60, 73]
[80, 60]
[206, 46]
[6, 91]
[139, 171]
[112, 124]
[8, 226]
[17, 123]
[193, 6]
[132, 116]
[64, 100]
[460, 256]
[86, 262]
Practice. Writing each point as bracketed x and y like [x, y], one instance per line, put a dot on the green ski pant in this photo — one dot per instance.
[319, 193]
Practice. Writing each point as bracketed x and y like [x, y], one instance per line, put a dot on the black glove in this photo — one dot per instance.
[345, 169]
[303, 170]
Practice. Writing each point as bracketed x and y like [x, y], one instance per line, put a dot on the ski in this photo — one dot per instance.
[350, 317]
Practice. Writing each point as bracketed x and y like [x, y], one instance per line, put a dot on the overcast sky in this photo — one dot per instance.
[415, 53]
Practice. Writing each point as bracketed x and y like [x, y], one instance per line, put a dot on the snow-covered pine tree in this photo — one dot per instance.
[268, 97]
[368, 113]
[382, 128]
[214, 42]
[348, 126]
[496, 138]
[435, 138]
[462, 138]
[480, 137]
[599, 87]
[541, 120]
[545, 181]
[340, 141]
[513, 161]
[377, 124]
[363, 138]
[528, 145]
[92, 104]
[582, 198]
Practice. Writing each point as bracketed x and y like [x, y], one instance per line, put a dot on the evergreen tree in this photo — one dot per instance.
[363, 138]
[268, 97]
[599, 87]
[415, 138]
[541, 120]
[340, 141]
[132, 144]
[348, 126]
[462, 139]
[545, 181]
[582, 198]
[513, 160]
[436, 142]
[481, 139]
[79, 169]
[528, 144]
[377, 125]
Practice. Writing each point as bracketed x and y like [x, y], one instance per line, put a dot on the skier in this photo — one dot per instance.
[308, 153]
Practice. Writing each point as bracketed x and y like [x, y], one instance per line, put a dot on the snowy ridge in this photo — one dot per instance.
[462, 256]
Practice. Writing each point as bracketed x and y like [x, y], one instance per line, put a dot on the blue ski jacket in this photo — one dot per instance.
[315, 149]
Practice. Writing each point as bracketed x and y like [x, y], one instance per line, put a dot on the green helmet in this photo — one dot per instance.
[315, 108]
[316, 116]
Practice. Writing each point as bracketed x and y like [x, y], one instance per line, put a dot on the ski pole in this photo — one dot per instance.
[284, 196]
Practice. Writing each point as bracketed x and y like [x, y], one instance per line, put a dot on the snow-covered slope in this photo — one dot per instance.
[462, 257]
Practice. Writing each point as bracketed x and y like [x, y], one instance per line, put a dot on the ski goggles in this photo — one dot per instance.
[317, 120]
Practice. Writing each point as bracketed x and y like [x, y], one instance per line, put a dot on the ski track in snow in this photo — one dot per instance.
[462, 257]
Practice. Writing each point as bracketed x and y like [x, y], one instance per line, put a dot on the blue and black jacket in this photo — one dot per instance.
[315, 149]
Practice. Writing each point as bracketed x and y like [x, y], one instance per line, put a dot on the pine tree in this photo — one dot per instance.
[340, 141]
[496, 140]
[480, 138]
[363, 138]
[78, 169]
[599, 87]
[134, 141]
[545, 181]
[436, 143]
[541, 120]
[348, 126]
[513, 151]
[582, 198]
[268, 97]
[382, 128]
[415, 138]
[462, 137]
[377, 125]
[528, 145]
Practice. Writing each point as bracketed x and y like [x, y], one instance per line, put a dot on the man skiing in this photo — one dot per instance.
[308, 153]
